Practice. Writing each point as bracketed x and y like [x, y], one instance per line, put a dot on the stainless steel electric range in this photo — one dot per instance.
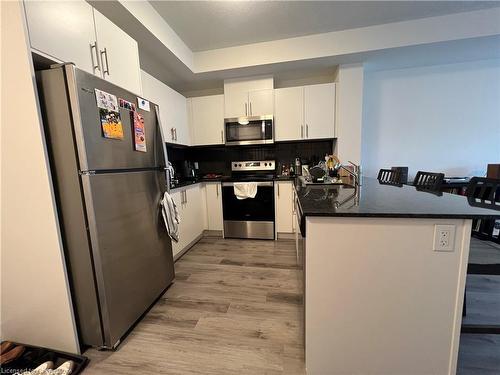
[250, 217]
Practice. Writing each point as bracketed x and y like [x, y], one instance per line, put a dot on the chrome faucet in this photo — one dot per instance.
[356, 175]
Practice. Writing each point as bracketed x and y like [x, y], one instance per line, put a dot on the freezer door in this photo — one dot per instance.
[131, 249]
[97, 152]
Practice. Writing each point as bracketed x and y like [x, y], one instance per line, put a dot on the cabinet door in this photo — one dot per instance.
[178, 246]
[193, 212]
[119, 55]
[236, 104]
[63, 30]
[261, 102]
[214, 205]
[208, 119]
[319, 111]
[284, 206]
[178, 107]
[289, 114]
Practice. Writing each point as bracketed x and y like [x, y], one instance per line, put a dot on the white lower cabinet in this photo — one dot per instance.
[191, 204]
[214, 205]
[283, 198]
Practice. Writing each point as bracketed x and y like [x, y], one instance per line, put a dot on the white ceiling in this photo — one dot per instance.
[206, 25]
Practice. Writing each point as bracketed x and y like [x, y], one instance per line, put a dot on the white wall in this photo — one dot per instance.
[349, 107]
[35, 300]
[443, 118]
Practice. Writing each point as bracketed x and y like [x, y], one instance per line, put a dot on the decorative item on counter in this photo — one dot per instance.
[298, 168]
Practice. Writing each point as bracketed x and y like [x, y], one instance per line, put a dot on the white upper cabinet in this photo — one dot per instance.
[261, 102]
[63, 30]
[119, 55]
[236, 104]
[207, 119]
[289, 114]
[72, 31]
[305, 112]
[319, 111]
[249, 97]
[173, 109]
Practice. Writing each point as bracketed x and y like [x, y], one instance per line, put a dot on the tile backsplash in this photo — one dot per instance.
[217, 159]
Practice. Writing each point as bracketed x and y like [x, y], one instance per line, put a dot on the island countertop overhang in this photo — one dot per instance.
[377, 200]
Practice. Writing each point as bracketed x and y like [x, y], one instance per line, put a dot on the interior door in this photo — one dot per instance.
[119, 55]
[66, 38]
[319, 108]
[131, 249]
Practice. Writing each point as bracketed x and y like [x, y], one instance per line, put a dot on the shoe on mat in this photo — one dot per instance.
[5, 347]
[44, 368]
[11, 355]
[65, 369]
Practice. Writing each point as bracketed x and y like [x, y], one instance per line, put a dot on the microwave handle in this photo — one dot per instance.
[263, 129]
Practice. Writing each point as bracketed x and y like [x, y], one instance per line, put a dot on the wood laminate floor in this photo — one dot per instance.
[235, 308]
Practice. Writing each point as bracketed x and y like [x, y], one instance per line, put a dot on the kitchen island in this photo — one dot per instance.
[385, 270]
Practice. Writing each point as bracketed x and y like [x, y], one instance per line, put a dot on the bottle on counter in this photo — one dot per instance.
[298, 167]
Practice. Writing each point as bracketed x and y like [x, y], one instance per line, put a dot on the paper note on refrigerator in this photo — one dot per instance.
[143, 104]
[139, 134]
[111, 124]
[106, 100]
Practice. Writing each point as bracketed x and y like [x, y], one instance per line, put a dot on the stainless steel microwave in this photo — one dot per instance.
[249, 130]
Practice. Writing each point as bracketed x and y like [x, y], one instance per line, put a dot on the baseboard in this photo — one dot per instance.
[181, 253]
[285, 236]
[212, 233]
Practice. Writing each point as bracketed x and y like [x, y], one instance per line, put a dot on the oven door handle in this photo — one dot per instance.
[259, 183]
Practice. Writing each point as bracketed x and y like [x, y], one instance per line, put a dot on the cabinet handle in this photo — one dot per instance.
[185, 196]
[172, 133]
[250, 108]
[301, 131]
[105, 53]
[175, 134]
[278, 186]
[217, 190]
[246, 112]
[307, 131]
[94, 66]
[222, 136]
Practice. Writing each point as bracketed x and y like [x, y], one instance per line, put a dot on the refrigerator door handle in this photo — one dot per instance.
[164, 148]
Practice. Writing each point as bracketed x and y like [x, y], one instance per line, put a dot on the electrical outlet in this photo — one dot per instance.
[444, 237]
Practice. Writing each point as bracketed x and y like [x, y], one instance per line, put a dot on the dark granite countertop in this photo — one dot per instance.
[379, 200]
[182, 184]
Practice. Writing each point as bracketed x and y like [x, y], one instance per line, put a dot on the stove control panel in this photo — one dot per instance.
[242, 166]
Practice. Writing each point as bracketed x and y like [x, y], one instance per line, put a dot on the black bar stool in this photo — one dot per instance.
[389, 176]
[483, 192]
[428, 181]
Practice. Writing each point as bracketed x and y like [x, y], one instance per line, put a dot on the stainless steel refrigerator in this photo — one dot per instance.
[117, 250]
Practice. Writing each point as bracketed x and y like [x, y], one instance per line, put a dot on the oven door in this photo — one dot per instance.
[251, 217]
[249, 130]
